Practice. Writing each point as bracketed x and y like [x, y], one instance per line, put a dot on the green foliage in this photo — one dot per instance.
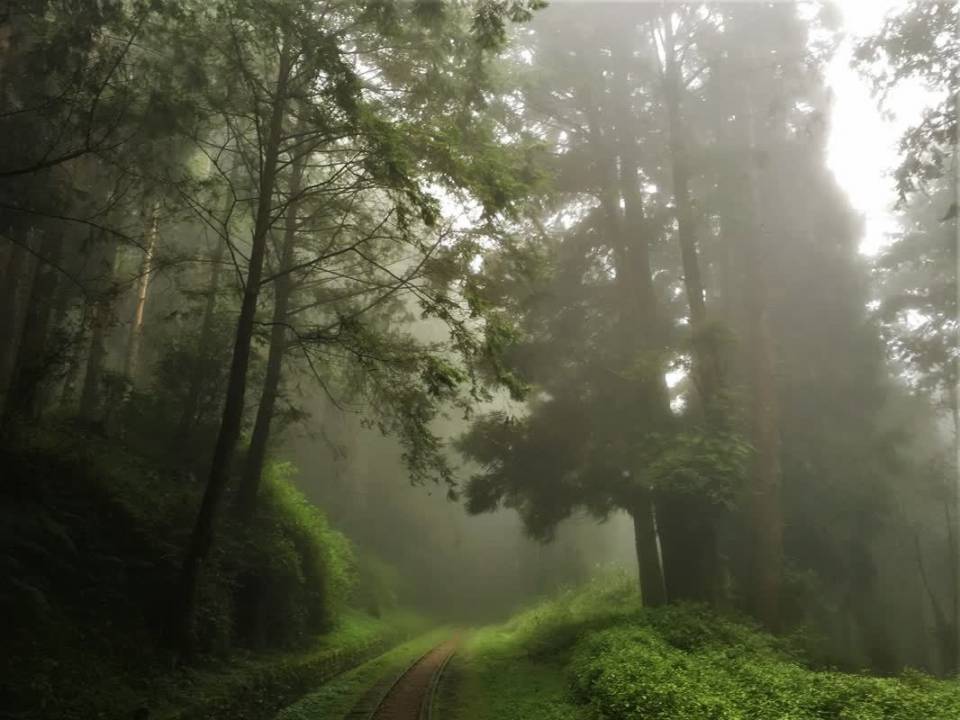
[155, 420]
[637, 670]
[686, 662]
[554, 624]
[916, 280]
[710, 465]
[920, 42]
[516, 671]
[673, 663]
[91, 537]
[491, 16]
[293, 571]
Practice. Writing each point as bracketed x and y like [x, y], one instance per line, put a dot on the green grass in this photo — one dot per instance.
[596, 654]
[257, 686]
[494, 678]
[517, 671]
[337, 697]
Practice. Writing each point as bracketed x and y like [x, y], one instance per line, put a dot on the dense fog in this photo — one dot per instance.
[323, 321]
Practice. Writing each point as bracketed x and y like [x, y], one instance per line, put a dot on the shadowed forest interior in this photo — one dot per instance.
[583, 360]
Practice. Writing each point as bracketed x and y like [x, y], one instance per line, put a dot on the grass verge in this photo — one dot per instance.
[257, 687]
[518, 670]
[596, 654]
[336, 698]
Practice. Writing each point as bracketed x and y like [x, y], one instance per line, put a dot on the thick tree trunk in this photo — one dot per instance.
[767, 519]
[636, 281]
[649, 564]
[135, 338]
[765, 422]
[952, 515]
[688, 527]
[182, 611]
[32, 361]
[955, 407]
[689, 549]
[638, 322]
[257, 453]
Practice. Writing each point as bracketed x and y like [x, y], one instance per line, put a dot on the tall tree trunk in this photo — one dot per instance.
[17, 272]
[768, 523]
[283, 285]
[6, 254]
[955, 407]
[707, 373]
[689, 526]
[626, 236]
[32, 360]
[90, 393]
[634, 269]
[135, 338]
[182, 611]
[649, 563]
[100, 308]
[766, 508]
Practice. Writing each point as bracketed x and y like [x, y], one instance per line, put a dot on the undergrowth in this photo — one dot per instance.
[91, 536]
[595, 653]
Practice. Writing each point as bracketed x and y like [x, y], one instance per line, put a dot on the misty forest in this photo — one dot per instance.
[479, 360]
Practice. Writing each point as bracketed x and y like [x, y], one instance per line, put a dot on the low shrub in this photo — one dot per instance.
[657, 668]
[680, 662]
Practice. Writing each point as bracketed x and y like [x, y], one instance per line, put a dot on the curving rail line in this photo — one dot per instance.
[409, 696]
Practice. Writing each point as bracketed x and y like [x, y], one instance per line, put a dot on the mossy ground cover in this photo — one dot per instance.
[336, 698]
[596, 654]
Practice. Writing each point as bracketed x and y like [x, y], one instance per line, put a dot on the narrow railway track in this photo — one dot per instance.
[410, 695]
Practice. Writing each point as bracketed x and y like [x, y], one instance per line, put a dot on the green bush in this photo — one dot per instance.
[684, 664]
[291, 571]
[91, 536]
